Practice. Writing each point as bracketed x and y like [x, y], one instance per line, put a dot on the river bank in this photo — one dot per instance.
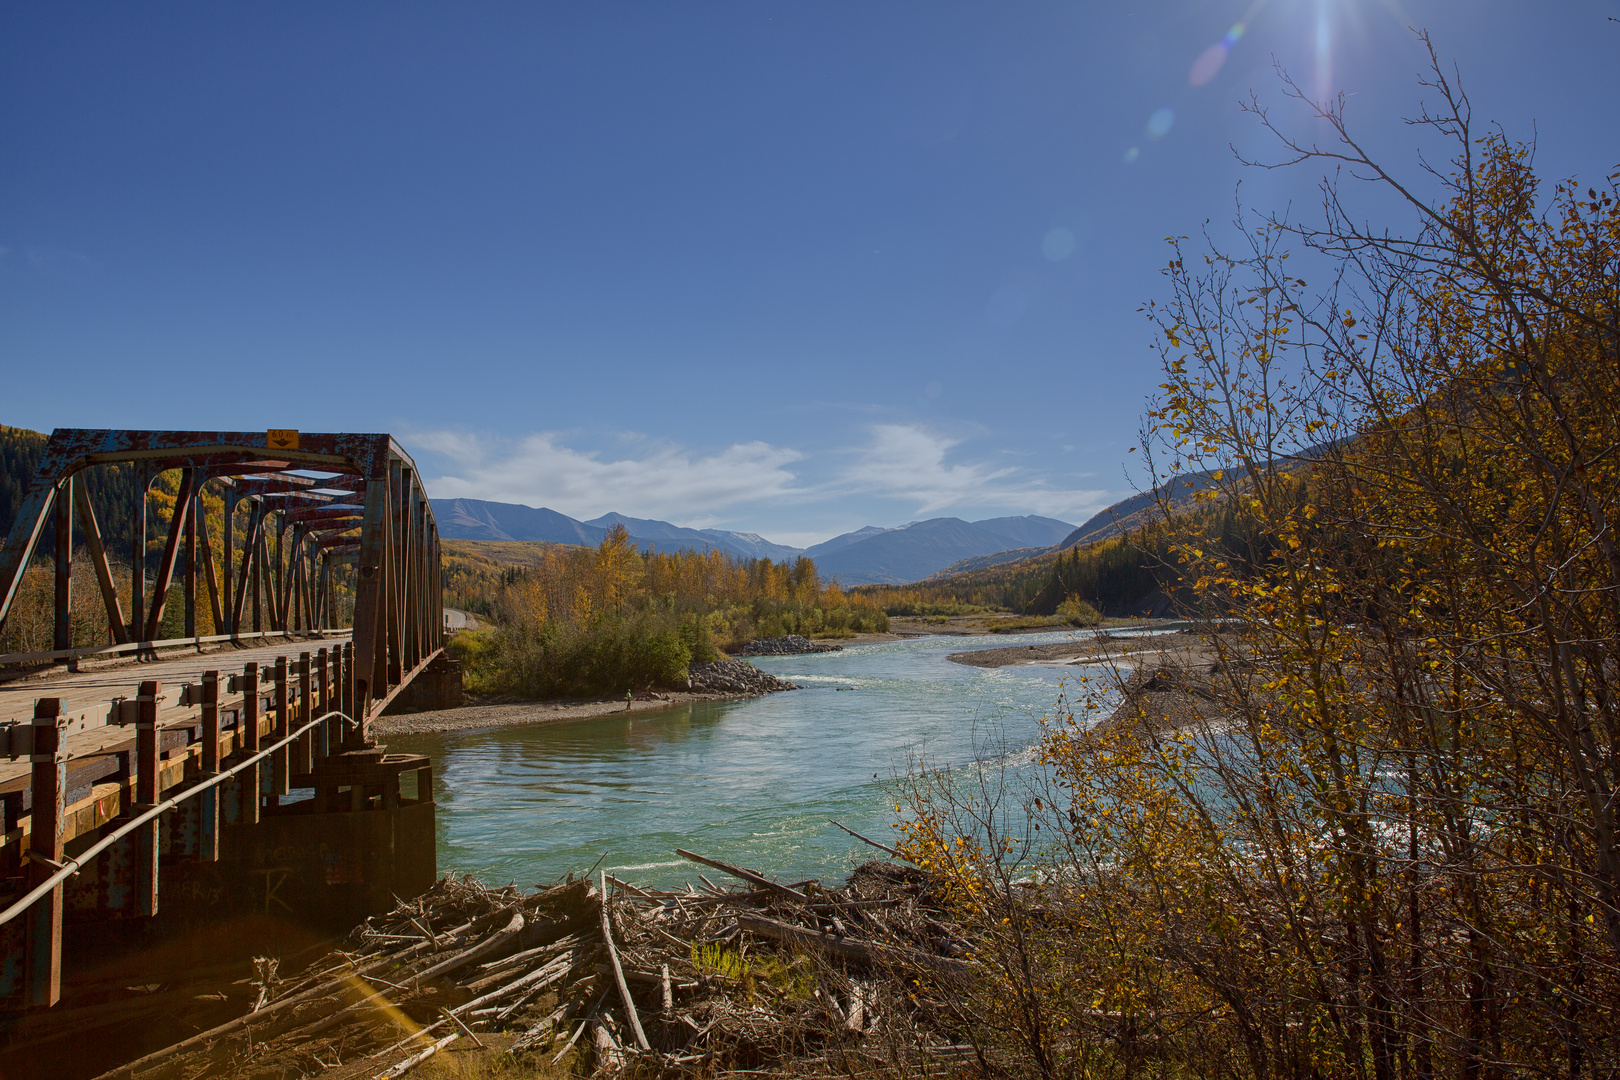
[512, 713]
[1084, 648]
[1080, 647]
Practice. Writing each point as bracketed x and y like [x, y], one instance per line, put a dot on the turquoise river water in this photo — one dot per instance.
[752, 782]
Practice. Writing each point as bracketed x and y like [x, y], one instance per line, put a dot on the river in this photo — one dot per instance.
[752, 781]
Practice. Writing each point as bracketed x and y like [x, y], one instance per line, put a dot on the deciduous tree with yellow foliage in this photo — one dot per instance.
[613, 617]
[1395, 849]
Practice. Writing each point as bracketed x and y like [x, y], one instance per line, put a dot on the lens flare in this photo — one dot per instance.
[1132, 154]
[1058, 244]
[1159, 123]
[1211, 60]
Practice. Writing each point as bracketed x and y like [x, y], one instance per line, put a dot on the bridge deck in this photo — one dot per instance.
[87, 697]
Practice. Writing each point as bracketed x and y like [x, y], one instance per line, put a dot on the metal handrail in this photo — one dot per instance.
[73, 866]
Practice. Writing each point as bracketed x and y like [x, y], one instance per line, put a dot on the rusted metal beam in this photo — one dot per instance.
[19, 545]
[216, 607]
[188, 591]
[370, 644]
[276, 484]
[172, 449]
[263, 588]
[287, 567]
[98, 560]
[63, 504]
[331, 512]
[345, 534]
[278, 590]
[249, 552]
[171, 551]
[137, 557]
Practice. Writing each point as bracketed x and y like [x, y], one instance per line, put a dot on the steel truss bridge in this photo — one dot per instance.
[94, 819]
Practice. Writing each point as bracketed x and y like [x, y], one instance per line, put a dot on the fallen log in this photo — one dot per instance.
[618, 971]
[867, 839]
[746, 875]
[477, 952]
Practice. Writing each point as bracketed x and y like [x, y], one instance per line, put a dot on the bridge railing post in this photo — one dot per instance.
[303, 759]
[352, 727]
[42, 965]
[146, 796]
[208, 801]
[247, 739]
[280, 760]
[323, 686]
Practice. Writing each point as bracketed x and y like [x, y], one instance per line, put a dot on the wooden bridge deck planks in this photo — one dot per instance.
[87, 696]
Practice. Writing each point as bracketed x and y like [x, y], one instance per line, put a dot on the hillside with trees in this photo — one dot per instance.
[572, 620]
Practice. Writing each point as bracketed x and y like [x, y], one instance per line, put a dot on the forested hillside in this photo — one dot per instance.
[1129, 575]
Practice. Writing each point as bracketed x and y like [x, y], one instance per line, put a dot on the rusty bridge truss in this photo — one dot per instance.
[339, 545]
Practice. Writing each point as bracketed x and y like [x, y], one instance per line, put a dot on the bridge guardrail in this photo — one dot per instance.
[70, 867]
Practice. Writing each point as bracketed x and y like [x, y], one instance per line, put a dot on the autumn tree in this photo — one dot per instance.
[1384, 842]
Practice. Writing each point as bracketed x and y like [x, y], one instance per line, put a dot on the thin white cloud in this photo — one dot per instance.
[904, 471]
[663, 481]
[909, 463]
[49, 262]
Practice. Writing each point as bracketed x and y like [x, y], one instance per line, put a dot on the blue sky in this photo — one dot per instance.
[789, 269]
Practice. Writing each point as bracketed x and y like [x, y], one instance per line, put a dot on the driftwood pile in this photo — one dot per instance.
[597, 976]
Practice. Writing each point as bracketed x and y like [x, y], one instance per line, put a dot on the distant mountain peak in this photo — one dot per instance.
[870, 554]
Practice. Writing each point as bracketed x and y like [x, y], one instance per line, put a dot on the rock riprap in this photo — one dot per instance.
[735, 677]
[792, 645]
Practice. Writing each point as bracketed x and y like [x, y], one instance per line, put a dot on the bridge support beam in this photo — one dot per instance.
[146, 796]
[42, 962]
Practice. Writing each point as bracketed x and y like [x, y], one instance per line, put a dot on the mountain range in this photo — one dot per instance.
[870, 555]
